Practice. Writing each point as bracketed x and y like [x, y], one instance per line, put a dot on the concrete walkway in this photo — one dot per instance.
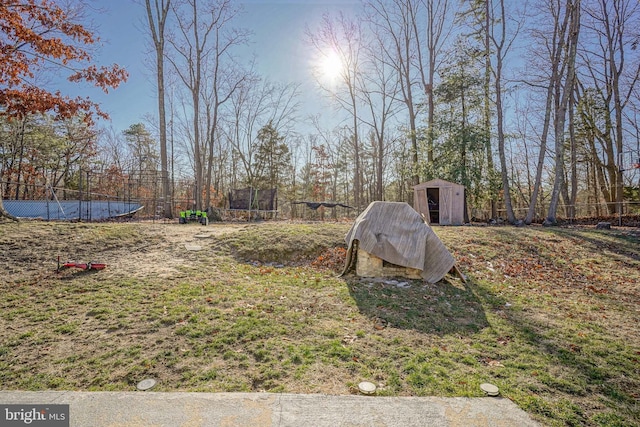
[148, 409]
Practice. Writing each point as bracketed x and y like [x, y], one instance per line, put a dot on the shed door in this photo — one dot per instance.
[446, 201]
[421, 202]
[433, 201]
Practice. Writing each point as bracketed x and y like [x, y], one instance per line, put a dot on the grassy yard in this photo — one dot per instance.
[549, 315]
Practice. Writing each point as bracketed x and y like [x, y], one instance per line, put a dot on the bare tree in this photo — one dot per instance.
[551, 34]
[394, 22]
[344, 38]
[439, 25]
[497, 31]
[188, 62]
[379, 91]
[571, 198]
[253, 105]
[204, 36]
[563, 91]
[223, 78]
[157, 13]
[612, 28]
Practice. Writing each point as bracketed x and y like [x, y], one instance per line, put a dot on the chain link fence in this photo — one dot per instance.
[100, 198]
[51, 203]
[94, 198]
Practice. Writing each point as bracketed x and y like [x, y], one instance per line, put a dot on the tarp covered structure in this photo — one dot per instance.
[396, 233]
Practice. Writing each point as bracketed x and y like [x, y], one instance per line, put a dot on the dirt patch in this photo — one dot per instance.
[165, 250]
[32, 249]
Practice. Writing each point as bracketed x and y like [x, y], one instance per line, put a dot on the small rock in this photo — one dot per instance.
[603, 226]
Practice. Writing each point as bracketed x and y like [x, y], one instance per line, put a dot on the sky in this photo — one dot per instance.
[278, 42]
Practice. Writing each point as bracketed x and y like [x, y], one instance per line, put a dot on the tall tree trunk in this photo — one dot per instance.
[564, 93]
[192, 49]
[616, 70]
[596, 192]
[501, 144]
[573, 197]
[213, 127]
[557, 59]
[157, 17]
[413, 135]
[487, 109]
[599, 177]
[380, 166]
[541, 154]
[437, 12]
[357, 181]
[499, 43]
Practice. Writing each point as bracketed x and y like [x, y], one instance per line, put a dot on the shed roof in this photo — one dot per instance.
[436, 183]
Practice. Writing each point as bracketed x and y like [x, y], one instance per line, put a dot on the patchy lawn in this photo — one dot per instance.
[549, 315]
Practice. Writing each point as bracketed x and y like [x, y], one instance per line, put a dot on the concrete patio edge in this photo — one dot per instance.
[131, 409]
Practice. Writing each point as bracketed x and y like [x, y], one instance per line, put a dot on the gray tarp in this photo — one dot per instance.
[397, 233]
[70, 210]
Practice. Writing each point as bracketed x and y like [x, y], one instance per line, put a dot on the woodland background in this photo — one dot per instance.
[531, 105]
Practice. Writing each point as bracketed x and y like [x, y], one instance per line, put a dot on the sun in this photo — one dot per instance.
[331, 65]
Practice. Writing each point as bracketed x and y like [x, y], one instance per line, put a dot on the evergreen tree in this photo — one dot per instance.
[273, 159]
[459, 154]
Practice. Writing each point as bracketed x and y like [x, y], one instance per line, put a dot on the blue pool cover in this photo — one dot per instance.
[70, 210]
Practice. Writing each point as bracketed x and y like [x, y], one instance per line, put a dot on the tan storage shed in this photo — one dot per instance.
[440, 202]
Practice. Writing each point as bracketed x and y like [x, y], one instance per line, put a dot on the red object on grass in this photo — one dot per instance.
[97, 266]
[82, 265]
